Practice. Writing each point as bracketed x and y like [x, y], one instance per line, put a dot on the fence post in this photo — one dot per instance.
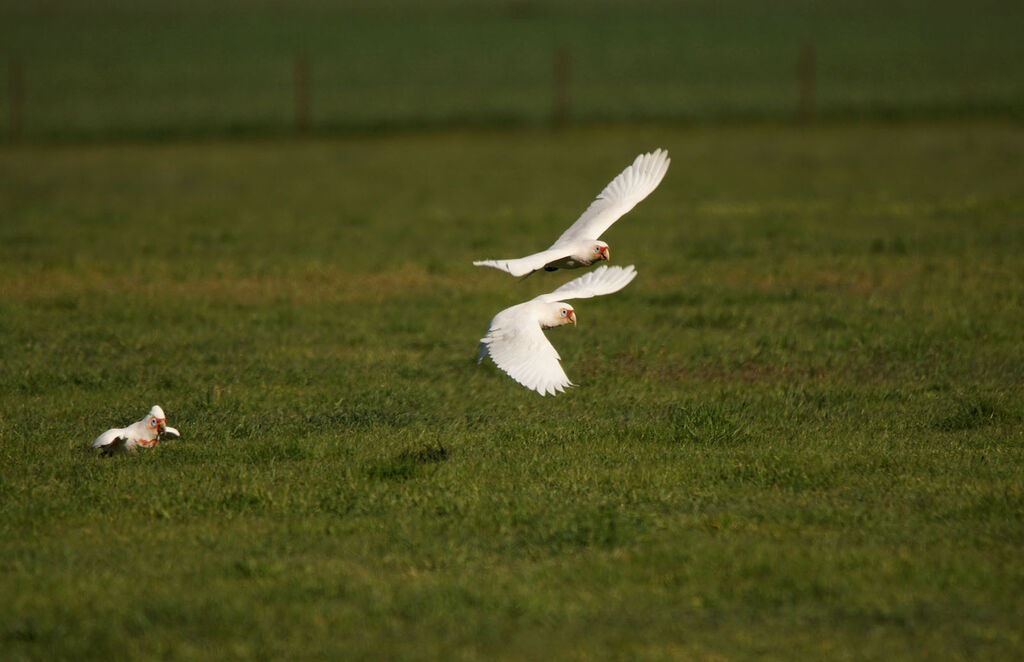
[805, 71]
[301, 84]
[561, 92]
[16, 97]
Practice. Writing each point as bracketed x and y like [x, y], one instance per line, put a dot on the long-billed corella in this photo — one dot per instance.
[580, 246]
[145, 433]
[516, 341]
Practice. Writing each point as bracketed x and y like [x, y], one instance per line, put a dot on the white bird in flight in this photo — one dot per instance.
[579, 246]
[145, 433]
[516, 340]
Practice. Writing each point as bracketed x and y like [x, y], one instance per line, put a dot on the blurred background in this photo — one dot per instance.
[157, 68]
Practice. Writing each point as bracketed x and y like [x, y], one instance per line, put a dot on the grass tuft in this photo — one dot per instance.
[706, 425]
[969, 414]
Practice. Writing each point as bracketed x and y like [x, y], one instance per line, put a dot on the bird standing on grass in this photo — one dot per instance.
[579, 246]
[145, 433]
[516, 341]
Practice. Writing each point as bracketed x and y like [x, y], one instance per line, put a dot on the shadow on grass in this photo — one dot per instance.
[968, 414]
[407, 463]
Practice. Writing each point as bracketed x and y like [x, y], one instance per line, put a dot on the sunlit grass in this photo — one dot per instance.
[798, 434]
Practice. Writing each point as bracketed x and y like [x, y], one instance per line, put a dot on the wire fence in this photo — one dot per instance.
[147, 71]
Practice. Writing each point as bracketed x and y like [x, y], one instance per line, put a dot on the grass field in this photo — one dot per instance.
[797, 435]
[163, 67]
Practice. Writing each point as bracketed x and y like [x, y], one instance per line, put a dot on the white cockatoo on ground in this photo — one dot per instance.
[145, 433]
[579, 246]
[516, 340]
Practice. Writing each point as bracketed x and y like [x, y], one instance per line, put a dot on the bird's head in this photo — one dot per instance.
[600, 251]
[157, 419]
[558, 314]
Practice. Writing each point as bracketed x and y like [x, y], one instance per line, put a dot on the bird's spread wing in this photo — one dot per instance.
[600, 281]
[108, 437]
[524, 265]
[519, 347]
[623, 193]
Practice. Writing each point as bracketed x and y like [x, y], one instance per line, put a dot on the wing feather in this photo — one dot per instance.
[108, 437]
[518, 346]
[524, 265]
[600, 281]
[623, 193]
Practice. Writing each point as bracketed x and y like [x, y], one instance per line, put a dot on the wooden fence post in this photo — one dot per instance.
[16, 98]
[805, 71]
[561, 92]
[301, 84]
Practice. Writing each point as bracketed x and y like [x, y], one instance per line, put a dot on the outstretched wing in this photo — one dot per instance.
[623, 193]
[524, 265]
[518, 346]
[108, 437]
[600, 281]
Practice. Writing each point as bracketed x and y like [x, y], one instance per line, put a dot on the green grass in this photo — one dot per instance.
[165, 68]
[797, 435]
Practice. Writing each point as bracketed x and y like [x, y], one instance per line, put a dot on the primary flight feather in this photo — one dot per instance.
[579, 246]
[516, 341]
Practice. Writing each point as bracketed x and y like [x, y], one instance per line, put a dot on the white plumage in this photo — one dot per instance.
[516, 340]
[145, 433]
[579, 246]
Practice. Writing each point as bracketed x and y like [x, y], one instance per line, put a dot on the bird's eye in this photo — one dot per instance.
[597, 249]
[563, 312]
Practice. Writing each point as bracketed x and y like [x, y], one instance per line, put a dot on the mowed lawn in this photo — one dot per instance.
[798, 434]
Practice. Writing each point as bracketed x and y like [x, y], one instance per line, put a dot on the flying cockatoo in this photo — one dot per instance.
[516, 340]
[579, 246]
[146, 433]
